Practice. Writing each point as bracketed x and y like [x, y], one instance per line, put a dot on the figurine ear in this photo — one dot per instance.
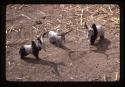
[85, 25]
[93, 25]
[44, 34]
[38, 38]
[33, 44]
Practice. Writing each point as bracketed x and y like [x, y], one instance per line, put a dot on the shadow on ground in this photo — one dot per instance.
[73, 55]
[102, 46]
[66, 49]
[45, 62]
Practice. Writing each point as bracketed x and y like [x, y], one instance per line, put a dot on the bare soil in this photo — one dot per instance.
[87, 63]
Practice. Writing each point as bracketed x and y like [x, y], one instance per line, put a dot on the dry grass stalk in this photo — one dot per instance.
[116, 77]
[19, 30]
[91, 18]
[101, 18]
[104, 77]
[25, 16]
[7, 42]
[118, 61]
[9, 62]
[10, 29]
[110, 9]
[116, 20]
[81, 17]
[14, 6]
[7, 46]
[106, 11]
[27, 5]
[80, 30]
[17, 42]
[59, 20]
[15, 30]
[87, 8]
[95, 12]
[21, 6]
[6, 31]
[71, 78]
[41, 12]
[34, 28]
[57, 27]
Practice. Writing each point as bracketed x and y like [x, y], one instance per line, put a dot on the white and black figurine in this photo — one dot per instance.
[56, 38]
[33, 48]
[94, 32]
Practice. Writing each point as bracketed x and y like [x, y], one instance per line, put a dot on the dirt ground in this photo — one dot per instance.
[87, 63]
